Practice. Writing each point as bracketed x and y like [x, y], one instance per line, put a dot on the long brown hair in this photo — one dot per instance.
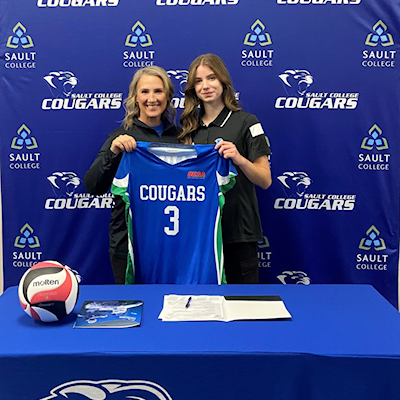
[190, 115]
[130, 104]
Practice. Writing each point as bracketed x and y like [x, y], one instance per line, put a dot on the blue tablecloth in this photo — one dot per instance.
[343, 342]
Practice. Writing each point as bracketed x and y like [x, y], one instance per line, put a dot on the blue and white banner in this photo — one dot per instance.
[322, 76]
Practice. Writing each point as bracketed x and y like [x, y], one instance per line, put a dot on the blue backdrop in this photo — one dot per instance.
[321, 75]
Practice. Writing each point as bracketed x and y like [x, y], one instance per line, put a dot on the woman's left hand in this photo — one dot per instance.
[229, 150]
[258, 171]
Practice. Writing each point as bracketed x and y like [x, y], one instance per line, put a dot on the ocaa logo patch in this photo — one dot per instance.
[109, 389]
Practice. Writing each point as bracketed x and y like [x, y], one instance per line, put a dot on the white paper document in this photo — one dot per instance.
[220, 308]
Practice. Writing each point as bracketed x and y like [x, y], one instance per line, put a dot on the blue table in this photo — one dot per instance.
[343, 342]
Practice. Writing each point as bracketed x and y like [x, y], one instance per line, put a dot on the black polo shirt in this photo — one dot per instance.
[240, 218]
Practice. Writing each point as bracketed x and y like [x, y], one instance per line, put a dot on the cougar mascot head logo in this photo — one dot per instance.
[61, 83]
[294, 183]
[294, 278]
[296, 81]
[64, 183]
[109, 389]
[181, 76]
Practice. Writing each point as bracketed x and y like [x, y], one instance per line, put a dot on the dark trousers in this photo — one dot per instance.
[119, 269]
[241, 262]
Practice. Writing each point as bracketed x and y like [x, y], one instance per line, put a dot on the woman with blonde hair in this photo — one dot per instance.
[149, 117]
[238, 135]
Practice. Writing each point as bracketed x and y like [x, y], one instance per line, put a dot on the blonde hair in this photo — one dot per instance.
[130, 104]
[190, 116]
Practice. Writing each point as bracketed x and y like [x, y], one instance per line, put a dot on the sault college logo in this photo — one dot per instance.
[295, 186]
[64, 186]
[20, 40]
[257, 39]
[296, 83]
[379, 37]
[140, 40]
[25, 159]
[62, 85]
[108, 389]
[27, 238]
[294, 278]
[179, 80]
[376, 158]
[372, 259]
[77, 3]
[25, 241]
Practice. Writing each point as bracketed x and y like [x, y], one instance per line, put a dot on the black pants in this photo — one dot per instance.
[241, 262]
[119, 269]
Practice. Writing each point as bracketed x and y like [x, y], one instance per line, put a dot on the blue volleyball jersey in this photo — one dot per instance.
[174, 196]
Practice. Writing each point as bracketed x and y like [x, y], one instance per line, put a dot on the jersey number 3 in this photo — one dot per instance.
[174, 219]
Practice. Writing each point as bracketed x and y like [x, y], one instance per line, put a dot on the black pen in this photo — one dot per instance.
[188, 302]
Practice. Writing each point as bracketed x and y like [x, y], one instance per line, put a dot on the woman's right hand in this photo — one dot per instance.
[123, 143]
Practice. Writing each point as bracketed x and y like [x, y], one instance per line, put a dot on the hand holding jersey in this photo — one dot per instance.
[211, 112]
[149, 115]
[123, 143]
[174, 209]
[257, 172]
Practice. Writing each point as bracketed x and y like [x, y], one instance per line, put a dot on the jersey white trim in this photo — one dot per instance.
[222, 180]
[121, 182]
